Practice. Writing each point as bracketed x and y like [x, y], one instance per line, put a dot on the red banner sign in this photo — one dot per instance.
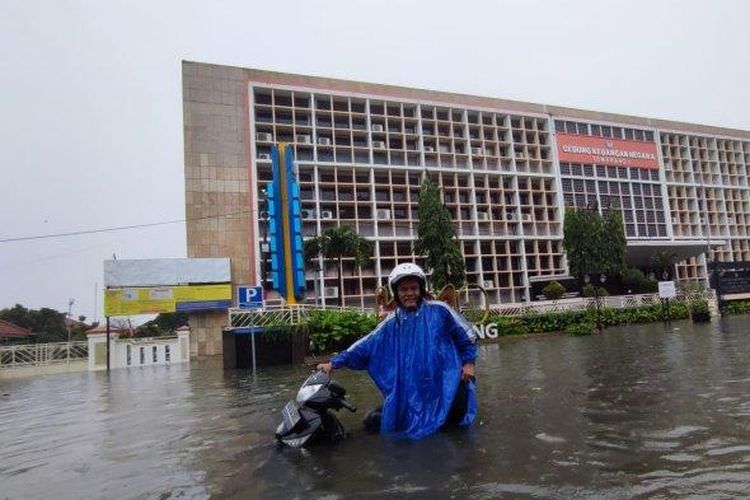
[606, 151]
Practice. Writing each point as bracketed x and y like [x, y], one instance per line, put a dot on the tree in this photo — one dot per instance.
[663, 262]
[163, 324]
[614, 242]
[337, 243]
[47, 324]
[593, 244]
[436, 239]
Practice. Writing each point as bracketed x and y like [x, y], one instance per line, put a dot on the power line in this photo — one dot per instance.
[117, 228]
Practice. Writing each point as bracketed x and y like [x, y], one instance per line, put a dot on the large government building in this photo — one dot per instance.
[507, 170]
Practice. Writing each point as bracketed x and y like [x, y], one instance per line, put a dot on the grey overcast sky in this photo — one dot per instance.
[91, 104]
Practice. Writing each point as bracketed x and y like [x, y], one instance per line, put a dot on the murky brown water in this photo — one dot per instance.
[639, 411]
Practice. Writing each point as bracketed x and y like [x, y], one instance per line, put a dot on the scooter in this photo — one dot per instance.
[307, 420]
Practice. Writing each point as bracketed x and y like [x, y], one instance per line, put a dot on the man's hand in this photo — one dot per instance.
[328, 368]
[467, 371]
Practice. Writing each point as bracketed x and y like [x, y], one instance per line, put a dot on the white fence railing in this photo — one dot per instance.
[294, 314]
[286, 315]
[43, 354]
[616, 302]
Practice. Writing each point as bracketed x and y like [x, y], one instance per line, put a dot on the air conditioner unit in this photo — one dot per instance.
[511, 216]
[675, 221]
[520, 155]
[383, 214]
[377, 127]
[488, 284]
[429, 149]
[308, 214]
[324, 141]
[331, 292]
[264, 156]
[303, 139]
[378, 144]
[264, 136]
[326, 214]
[476, 151]
[527, 217]
[264, 247]
[483, 216]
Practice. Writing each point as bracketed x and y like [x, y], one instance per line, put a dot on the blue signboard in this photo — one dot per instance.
[285, 226]
[249, 297]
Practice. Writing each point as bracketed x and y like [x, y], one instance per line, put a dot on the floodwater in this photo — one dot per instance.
[640, 411]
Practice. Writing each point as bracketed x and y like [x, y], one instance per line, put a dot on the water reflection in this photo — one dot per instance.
[639, 411]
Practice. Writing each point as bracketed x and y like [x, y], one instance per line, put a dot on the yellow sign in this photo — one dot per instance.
[164, 299]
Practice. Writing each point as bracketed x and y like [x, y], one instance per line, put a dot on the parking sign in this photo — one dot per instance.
[249, 297]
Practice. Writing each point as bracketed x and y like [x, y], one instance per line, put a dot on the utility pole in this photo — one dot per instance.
[67, 324]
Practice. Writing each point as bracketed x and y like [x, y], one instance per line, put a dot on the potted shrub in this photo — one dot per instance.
[553, 291]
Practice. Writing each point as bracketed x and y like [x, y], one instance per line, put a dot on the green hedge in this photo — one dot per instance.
[580, 329]
[736, 307]
[331, 329]
[560, 321]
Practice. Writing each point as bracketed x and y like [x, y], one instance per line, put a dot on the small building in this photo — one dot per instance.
[131, 351]
[10, 331]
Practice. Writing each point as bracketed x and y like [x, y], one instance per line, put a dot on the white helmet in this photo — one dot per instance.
[405, 270]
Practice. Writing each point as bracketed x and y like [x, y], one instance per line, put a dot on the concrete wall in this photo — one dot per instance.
[118, 353]
[217, 181]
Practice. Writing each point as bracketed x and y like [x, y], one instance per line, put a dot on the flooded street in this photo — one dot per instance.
[639, 411]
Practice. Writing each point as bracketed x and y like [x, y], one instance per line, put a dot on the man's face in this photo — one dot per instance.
[408, 293]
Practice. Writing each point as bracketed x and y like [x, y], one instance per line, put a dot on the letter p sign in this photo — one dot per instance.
[250, 297]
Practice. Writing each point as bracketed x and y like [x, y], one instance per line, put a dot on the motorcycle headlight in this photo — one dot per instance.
[307, 392]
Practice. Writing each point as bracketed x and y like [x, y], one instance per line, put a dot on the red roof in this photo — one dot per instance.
[8, 330]
[102, 328]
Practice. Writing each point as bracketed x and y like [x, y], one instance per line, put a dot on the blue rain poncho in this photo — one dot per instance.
[415, 359]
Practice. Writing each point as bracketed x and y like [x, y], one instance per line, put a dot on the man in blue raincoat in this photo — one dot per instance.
[421, 357]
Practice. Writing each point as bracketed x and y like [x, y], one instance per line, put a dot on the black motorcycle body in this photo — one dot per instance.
[308, 420]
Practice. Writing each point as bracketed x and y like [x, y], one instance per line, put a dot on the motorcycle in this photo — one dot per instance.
[307, 420]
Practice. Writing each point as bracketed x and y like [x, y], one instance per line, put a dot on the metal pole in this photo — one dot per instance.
[107, 344]
[252, 344]
[67, 324]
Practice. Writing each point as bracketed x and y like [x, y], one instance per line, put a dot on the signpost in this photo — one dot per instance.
[249, 297]
[667, 291]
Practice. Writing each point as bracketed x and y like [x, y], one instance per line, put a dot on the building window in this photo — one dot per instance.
[154, 354]
[167, 354]
[129, 354]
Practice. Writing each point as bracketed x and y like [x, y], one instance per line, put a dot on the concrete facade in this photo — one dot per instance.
[363, 148]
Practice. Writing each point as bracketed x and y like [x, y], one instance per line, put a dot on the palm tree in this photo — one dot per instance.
[663, 261]
[337, 243]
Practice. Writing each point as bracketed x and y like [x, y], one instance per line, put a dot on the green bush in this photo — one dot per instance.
[333, 329]
[699, 311]
[508, 325]
[560, 321]
[589, 290]
[648, 285]
[551, 322]
[632, 278]
[580, 329]
[736, 307]
[553, 290]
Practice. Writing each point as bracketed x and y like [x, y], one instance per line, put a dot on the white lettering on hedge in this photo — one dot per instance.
[488, 331]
